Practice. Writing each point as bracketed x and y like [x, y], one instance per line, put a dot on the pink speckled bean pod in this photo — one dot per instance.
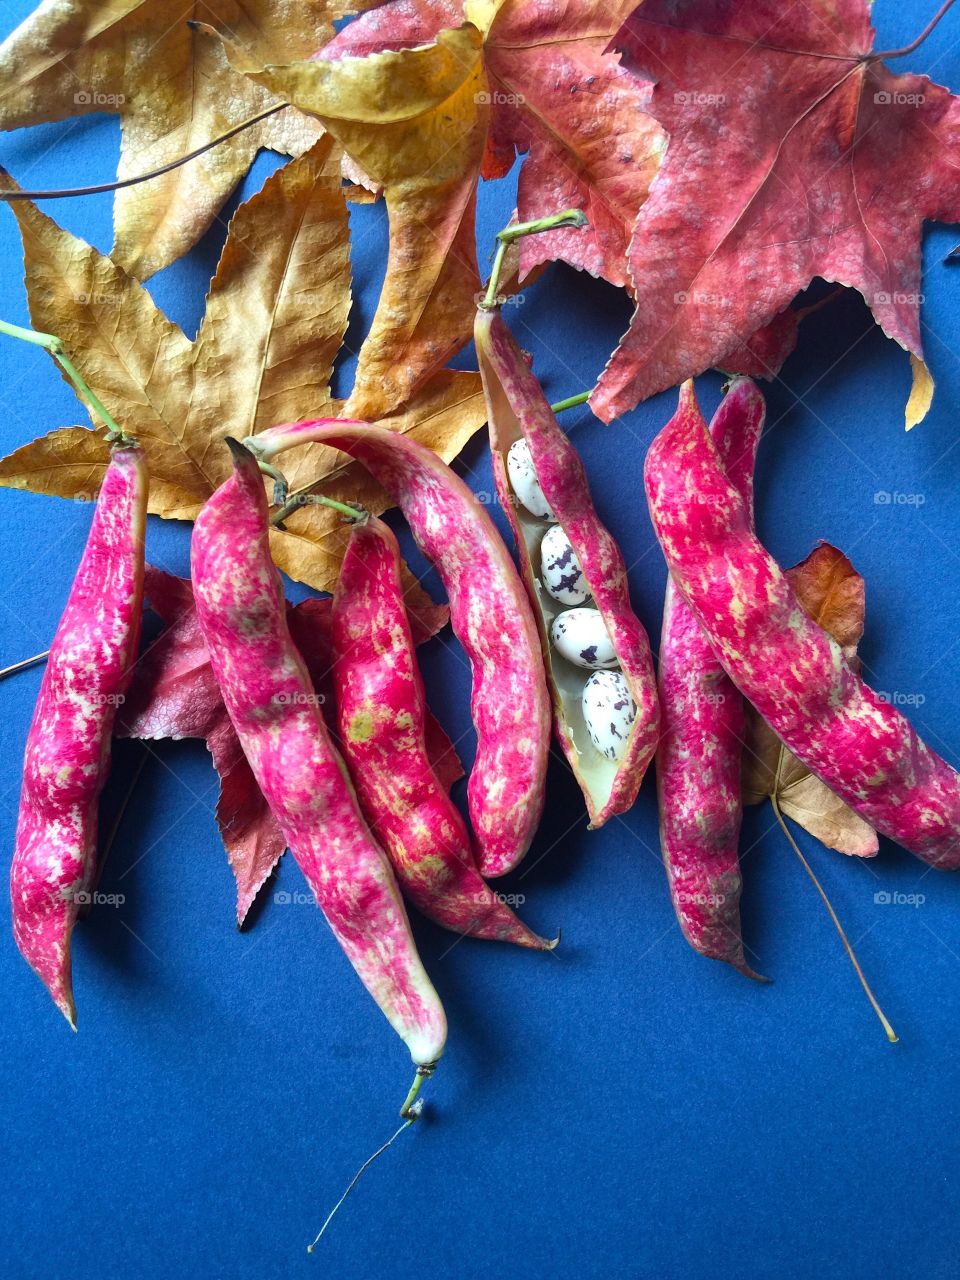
[68, 748]
[489, 614]
[271, 701]
[698, 760]
[381, 719]
[518, 409]
[792, 671]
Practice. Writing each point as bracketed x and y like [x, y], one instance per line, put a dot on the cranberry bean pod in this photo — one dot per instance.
[68, 748]
[698, 760]
[518, 410]
[381, 721]
[489, 614]
[792, 671]
[271, 701]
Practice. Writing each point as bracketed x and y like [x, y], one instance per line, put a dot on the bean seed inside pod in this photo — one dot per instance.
[580, 636]
[608, 712]
[524, 482]
[560, 569]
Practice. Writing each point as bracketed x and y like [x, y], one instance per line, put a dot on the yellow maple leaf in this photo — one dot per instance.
[415, 120]
[173, 91]
[276, 313]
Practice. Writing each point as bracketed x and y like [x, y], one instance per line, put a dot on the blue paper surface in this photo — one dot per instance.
[621, 1108]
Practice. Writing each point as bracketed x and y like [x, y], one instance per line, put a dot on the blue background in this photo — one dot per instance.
[623, 1107]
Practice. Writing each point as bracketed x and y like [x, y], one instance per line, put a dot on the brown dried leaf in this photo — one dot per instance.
[173, 90]
[276, 314]
[415, 121]
[832, 592]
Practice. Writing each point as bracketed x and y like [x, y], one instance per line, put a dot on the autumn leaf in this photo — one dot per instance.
[794, 152]
[414, 120]
[173, 91]
[519, 80]
[832, 592]
[556, 98]
[174, 695]
[276, 313]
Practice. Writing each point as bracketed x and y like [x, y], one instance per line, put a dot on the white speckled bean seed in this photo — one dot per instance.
[608, 712]
[580, 636]
[524, 482]
[560, 569]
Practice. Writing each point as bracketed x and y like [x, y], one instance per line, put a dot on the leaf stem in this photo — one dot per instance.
[571, 402]
[302, 499]
[23, 664]
[69, 192]
[54, 345]
[914, 44]
[891, 1034]
[412, 1115]
[566, 218]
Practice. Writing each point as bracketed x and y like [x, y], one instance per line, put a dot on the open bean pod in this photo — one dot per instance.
[597, 654]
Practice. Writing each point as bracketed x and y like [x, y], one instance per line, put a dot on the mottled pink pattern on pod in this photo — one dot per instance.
[68, 748]
[698, 760]
[566, 488]
[489, 614]
[274, 709]
[381, 720]
[791, 670]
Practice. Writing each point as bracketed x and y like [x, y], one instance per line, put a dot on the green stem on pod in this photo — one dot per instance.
[54, 345]
[566, 218]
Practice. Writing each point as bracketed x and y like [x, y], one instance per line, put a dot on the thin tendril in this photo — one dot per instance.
[23, 664]
[412, 1116]
[69, 192]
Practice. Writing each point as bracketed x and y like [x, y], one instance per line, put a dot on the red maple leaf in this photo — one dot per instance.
[794, 152]
[174, 695]
[558, 99]
[579, 120]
